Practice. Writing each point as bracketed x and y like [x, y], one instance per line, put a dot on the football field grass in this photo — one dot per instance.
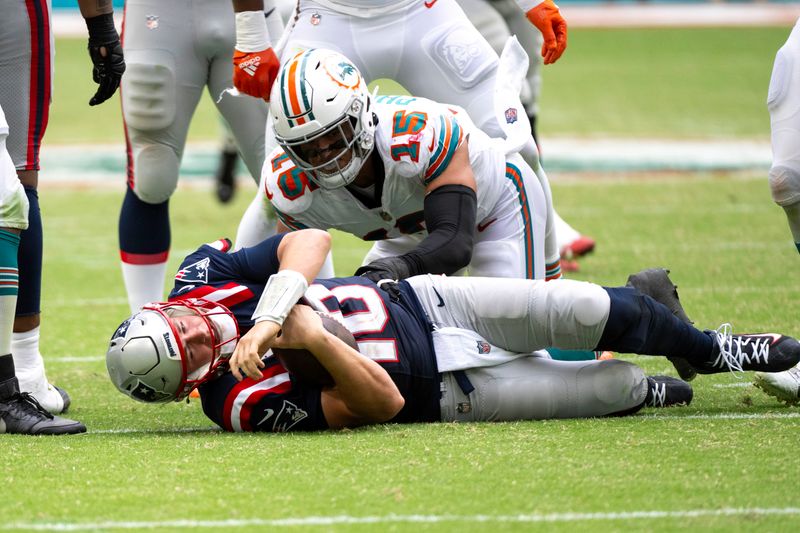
[727, 462]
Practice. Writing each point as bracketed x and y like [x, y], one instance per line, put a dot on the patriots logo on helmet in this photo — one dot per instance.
[146, 393]
[511, 115]
[194, 273]
[484, 347]
[121, 330]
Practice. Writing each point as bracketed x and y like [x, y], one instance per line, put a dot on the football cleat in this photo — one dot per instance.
[655, 283]
[54, 399]
[578, 247]
[764, 352]
[785, 386]
[21, 414]
[666, 391]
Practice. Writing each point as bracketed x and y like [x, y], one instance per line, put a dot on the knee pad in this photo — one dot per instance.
[155, 171]
[148, 90]
[618, 384]
[461, 53]
[13, 203]
[784, 182]
[591, 305]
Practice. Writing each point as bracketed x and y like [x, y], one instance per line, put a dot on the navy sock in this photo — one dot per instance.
[143, 228]
[30, 260]
[639, 324]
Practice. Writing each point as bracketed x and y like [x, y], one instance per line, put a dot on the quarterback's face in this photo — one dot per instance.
[196, 338]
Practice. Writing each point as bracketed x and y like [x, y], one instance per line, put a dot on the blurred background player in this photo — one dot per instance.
[174, 50]
[26, 68]
[783, 102]
[497, 20]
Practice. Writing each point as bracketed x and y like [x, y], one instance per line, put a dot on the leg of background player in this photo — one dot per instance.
[225, 177]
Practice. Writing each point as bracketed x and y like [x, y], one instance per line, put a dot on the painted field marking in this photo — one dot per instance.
[394, 519]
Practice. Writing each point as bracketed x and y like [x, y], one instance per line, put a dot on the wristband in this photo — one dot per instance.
[527, 5]
[101, 29]
[251, 32]
[282, 292]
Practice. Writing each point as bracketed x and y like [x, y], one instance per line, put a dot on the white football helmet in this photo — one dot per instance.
[320, 93]
[147, 361]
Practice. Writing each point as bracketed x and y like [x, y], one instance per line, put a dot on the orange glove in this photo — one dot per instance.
[255, 72]
[548, 19]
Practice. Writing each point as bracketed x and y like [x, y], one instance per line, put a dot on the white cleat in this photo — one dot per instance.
[785, 386]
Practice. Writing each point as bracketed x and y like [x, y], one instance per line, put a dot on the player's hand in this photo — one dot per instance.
[387, 268]
[548, 19]
[255, 72]
[246, 358]
[301, 329]
[108, 61]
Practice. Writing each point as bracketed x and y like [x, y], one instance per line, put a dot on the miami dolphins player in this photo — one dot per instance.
[431, 348]
[434, 192]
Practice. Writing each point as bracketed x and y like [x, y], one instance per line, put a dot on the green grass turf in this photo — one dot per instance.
[729, 251]
[623, 82]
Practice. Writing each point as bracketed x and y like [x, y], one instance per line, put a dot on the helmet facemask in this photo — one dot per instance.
[322, 116]
[148, 360]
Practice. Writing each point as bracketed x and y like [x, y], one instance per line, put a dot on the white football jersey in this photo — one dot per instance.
[416, 139]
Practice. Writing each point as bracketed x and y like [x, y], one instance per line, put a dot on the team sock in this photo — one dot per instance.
[639, 324]
[144, 238]
[9, 287]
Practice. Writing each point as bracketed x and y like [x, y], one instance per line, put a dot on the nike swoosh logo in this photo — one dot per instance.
[441, 302]
[270, 412]
[482, 227]
[430, 4]
[433, 140]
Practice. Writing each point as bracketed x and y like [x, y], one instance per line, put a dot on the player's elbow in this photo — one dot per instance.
[390, 405]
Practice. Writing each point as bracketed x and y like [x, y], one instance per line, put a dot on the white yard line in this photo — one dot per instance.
[408, 519]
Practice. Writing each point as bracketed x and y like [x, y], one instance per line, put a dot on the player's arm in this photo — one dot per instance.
[363, 393]
[545, 15]
[105, 48]
[255, 64]
[300, 255]
[450, 212]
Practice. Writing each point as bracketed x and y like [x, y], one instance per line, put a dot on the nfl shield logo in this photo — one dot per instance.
[511, 115]
[151, 21]
[483, 347]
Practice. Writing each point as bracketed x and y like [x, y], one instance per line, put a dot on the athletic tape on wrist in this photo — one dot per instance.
[283, 290]
[527, 5]
[251, 32]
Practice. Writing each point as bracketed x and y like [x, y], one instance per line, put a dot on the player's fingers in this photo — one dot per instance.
[251, 366]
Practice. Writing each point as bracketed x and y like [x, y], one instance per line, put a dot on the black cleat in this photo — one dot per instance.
[225, 177]
[666, 391]
[22, 414]
[762, 352]
[655, 283]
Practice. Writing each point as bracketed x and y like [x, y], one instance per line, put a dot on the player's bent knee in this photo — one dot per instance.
[148, 91]
[156, 173]
[13, 205]
[784, 181]
[591, 305]
[461, 54]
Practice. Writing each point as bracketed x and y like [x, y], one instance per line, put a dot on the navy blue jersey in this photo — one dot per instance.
[393, 331]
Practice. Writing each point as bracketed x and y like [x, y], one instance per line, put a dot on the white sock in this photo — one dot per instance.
[28, 361]
[565, 233]
[8, 305]
[144, 283]
[326, 270]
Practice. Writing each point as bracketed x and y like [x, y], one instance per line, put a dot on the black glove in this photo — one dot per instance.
[105, 51]
[386, 268]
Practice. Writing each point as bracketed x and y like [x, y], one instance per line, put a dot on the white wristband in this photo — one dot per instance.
[251, 31]
[282, 292]
[527, 5]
